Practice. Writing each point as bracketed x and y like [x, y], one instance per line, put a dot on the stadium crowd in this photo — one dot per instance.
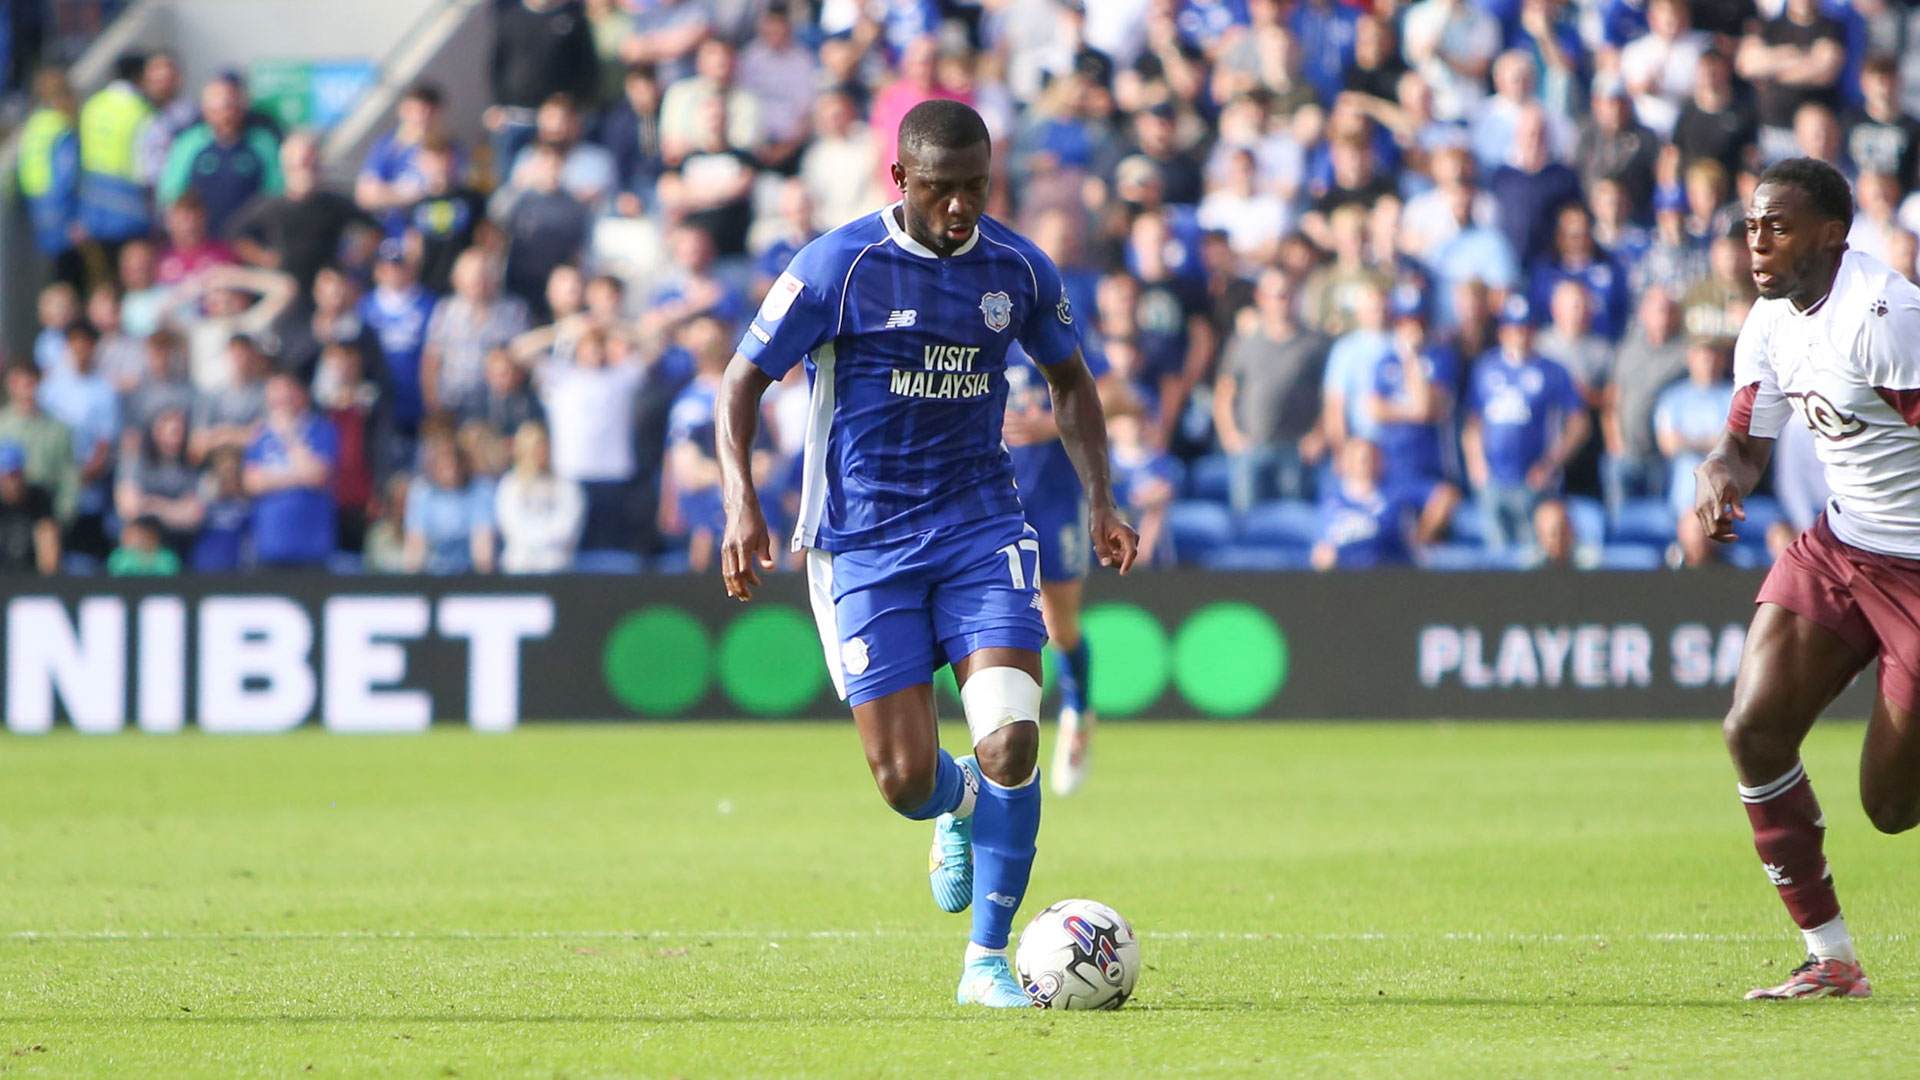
[1452, 282]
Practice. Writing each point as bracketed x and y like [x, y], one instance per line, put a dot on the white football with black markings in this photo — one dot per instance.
[1078, 954]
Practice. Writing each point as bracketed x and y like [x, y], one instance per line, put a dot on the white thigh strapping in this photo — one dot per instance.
[995, 697]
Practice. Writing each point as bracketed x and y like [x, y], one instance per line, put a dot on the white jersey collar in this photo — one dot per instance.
[915, 247]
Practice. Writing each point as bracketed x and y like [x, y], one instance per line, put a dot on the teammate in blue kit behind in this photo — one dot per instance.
[1056, 507]
[918, 554]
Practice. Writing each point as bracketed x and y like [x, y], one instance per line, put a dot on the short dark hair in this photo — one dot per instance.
[941, 124]
[426, 93]
[85, 329]
[1826, 189]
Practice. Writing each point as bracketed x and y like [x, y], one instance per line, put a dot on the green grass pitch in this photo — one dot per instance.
[721, 900]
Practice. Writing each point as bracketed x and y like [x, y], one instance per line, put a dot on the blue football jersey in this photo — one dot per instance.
[1042, 471]
[906, 354]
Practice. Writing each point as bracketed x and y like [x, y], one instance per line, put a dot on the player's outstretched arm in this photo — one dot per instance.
[745, 544]
[1083, 430]
[1722, 481]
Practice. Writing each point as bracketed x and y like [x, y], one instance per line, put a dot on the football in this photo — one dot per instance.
[1078, 954]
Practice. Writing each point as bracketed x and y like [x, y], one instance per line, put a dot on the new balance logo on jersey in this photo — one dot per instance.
[1777, 874]
[900, 320]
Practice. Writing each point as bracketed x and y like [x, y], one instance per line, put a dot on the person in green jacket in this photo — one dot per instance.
[141, 553]
[222, 159]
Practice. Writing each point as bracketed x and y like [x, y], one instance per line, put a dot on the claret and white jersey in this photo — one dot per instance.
[1850, 369]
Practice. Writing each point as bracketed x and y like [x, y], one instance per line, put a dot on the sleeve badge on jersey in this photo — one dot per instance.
[997, 307]
[1064, 309]
[780, 298]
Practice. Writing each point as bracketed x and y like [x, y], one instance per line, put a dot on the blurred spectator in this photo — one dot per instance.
[385, 551]
[1903, 254]
[1266, 400]
[711, 187]
[351, 401]
[590, 405]
[1145, 480]
[304, 227]
[226, 531]
[540, 48]
[1357, 181]
[1350, 369]
[1332, 293]
[1531, 187]
[1689, 418]
[1792, 58]
[630, 131]
[390, 180]
[1712, 307]
[398, 311]
[918, 81]
[796, 231]
[1816, 133]
[665, 35]
[1361, 525]
[508, 402]
[539, 514]
[686, 103]
[1377, 68]
[837, 164]
[216, 305]
[1569, 340]
[289, 473]
[1575, 257]
[1711, 214]
[113, 123]
[190, 248]
[1652, 356]
[1799, 482]
[1660, 68]
[142, 552]
[29, 533]
[49, 175]
[157, 481]
[1326, 31]
[588, 172]
[1435, 216]
[1451, 43]
[693, 463]
[1881, 136]
[173, 112]
[221, 159]
[1495, 120]
[1876, 198]
[143, 297]
[446, 220]
[781, 74]
[58, 309]
[449, 516]
[1176, 337]
[692, 290]
[611, 24]
[47, 443]
[85, 401]
[545, 225]
[1411, 402]
[465, 325]
[1615, 146]
[163, 385]
[1716, 124]
[1673, 259]
[1524, 421]
[1614, 226]
[1473, 252]
[122, 359]
[230, 415]
[1253, 220]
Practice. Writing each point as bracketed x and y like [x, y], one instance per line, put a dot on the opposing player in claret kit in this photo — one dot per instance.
[917, 552]
[1833, 342]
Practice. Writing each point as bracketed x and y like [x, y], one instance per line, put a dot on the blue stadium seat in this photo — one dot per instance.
[1258, 557]
[606, 561]
[1468, 525]
[77, 565]
[1632, 557]
[1281, 522]
[1589, 520]
[1644, 521]
[1762, 512]
[673, 562]
[1207, 478]
[345, 562]
[1748, 556]
[1458, 556]
[1197, 527]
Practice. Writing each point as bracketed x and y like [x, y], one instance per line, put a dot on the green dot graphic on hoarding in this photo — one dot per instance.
[1129, 657]
[770, 661]
[656, 661]
[1229, 659]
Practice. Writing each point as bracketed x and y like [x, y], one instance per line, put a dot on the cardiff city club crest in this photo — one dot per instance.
[998, 309]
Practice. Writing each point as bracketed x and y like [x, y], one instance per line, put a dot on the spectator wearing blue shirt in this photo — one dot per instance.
[1203, 23]
[85, 400]
[1351, 367]
[1474, 253]
[390, 180]
[289, 473]
[1689, 417]
[1532, 187]
[1575, 257]
[1362, 525]
[1411, 401]
[449, 515]
[398, 311]
[226, 530]
[630, 131]
[796, 232]
[693, 289]
[1325, 30]
[1525, 420]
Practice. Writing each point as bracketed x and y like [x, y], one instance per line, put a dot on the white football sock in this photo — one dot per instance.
[981, 952]
[1830, 939]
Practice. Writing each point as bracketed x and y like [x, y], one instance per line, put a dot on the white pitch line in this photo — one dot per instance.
[840, 935]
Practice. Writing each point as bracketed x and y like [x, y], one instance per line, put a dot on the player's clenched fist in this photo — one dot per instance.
[1114, 541]
[1717, 500]
[743, 547]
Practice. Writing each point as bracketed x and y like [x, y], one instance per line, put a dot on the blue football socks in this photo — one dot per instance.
[1005, 823]
[949, 785]
[1071, 674]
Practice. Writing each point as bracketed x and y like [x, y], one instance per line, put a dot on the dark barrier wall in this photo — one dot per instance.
[392, 654]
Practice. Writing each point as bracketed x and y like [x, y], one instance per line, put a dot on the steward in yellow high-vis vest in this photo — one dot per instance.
[113, 192]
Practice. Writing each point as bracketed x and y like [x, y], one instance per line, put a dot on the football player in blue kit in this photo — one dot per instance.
[1056, 507]
[918, 554]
